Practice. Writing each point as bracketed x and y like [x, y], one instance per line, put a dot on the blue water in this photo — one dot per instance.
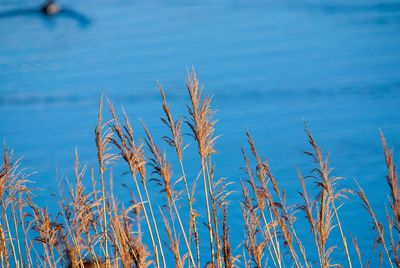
[268, 64]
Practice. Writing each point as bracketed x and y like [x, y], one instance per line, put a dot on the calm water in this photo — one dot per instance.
[269, 64]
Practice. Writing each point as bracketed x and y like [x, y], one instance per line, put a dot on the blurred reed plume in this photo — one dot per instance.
[92, 227]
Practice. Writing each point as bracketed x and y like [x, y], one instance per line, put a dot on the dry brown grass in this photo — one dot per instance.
[94, 229]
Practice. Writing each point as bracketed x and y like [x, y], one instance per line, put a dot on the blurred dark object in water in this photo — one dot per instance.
[64, 12]
[50, 8]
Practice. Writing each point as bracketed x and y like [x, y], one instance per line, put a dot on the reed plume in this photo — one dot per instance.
[176, 142]
[279, 213]
[202, 126]
[393, 182]
[163, 169]
[103, 134]
[14, 192]
[134, 156]
[376, 225]
[327, 198]
[128, 245]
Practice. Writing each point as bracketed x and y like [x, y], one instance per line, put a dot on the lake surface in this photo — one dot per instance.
[268, 64]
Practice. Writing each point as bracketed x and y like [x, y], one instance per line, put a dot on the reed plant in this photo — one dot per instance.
[93, 227]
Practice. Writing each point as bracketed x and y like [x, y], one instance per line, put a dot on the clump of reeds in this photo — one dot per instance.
[93, 228]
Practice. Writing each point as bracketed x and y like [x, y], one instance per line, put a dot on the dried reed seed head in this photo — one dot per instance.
[160, 165]
[392, 181]
[175, 127]
[124, 141]
[201, 123]
[103, 136]
[127, 245]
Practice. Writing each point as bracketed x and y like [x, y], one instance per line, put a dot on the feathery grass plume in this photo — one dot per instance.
[255, 246]
[160, 166]
[261, 198]
[393, 183]
[358, 252]
[285, 218]
[278, 209]
[124, 141]
[134, 156]
[392, 180]
[6, 240]
[176, 142]
[376, 225]
[6, 181]
[14, 192]
[394, 246]
[137, 210]
[49, 234]
[129, 249]
[202, 125]
[175, 127]
[103, 136]
[320, 211]
[328, 195]
[319, 216]
[82, 215]
[394, 219]
[163, 169]
[262, 194]
[308, 208]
